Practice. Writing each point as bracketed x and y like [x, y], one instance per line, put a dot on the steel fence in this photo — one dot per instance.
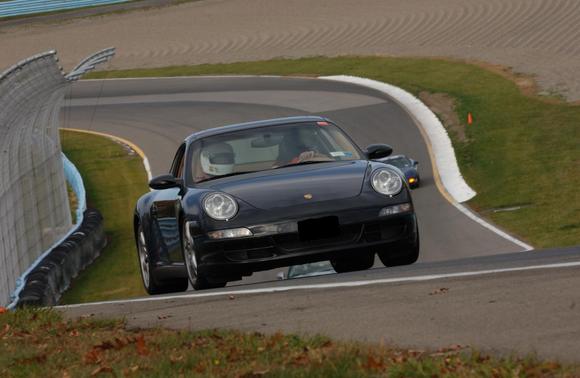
[34, 206]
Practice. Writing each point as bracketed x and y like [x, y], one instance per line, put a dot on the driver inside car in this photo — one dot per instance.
[295, 149]
[216, 159]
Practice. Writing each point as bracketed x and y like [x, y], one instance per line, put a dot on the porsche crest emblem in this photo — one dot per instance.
[308, 196]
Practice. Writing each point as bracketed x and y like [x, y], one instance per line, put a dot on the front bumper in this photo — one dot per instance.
[361, 231]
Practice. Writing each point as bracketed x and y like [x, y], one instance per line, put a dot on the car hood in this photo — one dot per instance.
[288, 186]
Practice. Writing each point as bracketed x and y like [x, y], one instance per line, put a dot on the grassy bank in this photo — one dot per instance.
[521, 154]
[114, 179]
[40, 344]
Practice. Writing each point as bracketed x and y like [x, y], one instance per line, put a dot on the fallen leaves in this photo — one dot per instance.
[5, 330]
[3, 310]
[37, 359]
[92, 357]
[86, 348]
[449, 350]
[142, 349]
[374, 363]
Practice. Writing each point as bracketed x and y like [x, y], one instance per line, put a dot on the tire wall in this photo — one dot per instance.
[53, 275]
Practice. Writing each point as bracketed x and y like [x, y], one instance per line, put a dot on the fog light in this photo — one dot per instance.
[395, 209]
[229, 234]
[412, 180]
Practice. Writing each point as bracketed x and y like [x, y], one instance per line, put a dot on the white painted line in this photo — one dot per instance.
[440, 143]
[333, 285]
[474, 217]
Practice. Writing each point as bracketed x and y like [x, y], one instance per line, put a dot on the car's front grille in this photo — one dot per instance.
[292, 242]
[378, 231]
[251, 254]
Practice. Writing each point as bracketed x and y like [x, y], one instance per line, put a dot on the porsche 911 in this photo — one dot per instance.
[268, 194]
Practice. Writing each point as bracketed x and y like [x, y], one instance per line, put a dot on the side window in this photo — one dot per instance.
[178, 162]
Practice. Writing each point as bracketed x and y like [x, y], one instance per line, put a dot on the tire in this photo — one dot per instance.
[198, 281]
[353, 263]
[150, 282]
[407, 256]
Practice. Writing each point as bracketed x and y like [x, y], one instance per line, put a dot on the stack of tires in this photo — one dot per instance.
[53, 275]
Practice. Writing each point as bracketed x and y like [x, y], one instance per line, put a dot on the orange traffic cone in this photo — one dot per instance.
[469, 118]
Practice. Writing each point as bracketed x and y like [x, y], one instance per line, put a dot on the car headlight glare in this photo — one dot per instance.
[220, 206]
[386, 181]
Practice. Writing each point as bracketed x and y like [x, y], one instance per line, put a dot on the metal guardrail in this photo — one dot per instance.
[75, 180]
[26, 7]
[34, 206]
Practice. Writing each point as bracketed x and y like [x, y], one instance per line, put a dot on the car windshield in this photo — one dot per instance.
[270, 147]
[400, 162]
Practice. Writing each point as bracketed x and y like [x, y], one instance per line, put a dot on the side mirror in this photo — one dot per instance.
[165, 182]
[415, 163]
[378, 151]
[281, 276]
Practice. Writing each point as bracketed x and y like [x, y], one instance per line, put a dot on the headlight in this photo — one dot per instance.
[386, 181]
[220, 206]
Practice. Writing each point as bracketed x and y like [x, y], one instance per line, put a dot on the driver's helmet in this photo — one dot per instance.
[217, 159]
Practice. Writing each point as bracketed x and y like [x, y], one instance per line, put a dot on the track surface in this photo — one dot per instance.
[537, 37]
[157, 114]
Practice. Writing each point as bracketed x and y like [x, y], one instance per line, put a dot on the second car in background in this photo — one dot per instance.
[408, 166]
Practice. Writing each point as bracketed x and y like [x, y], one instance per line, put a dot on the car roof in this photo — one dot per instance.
[252, 125]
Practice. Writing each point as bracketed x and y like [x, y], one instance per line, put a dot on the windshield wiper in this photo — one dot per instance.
[304, 163]
[228, 175]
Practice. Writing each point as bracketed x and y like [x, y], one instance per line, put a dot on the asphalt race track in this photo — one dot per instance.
[157, 114]
[470, 287]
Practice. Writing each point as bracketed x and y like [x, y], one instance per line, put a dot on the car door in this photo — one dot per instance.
[167, 207]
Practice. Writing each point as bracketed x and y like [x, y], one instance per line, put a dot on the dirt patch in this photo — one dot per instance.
[444, 106]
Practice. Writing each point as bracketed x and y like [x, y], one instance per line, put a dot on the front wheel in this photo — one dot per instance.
[150, 282]
[406, 254]
[198, 282]
[353, 263]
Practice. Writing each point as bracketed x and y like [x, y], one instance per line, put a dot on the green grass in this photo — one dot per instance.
[114, 180]
[41, 343]
[522, 150]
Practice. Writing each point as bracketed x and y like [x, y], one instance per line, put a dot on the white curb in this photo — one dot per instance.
[445, 160]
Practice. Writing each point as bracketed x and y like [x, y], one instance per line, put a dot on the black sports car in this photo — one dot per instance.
[269, 194]
[409, 167]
